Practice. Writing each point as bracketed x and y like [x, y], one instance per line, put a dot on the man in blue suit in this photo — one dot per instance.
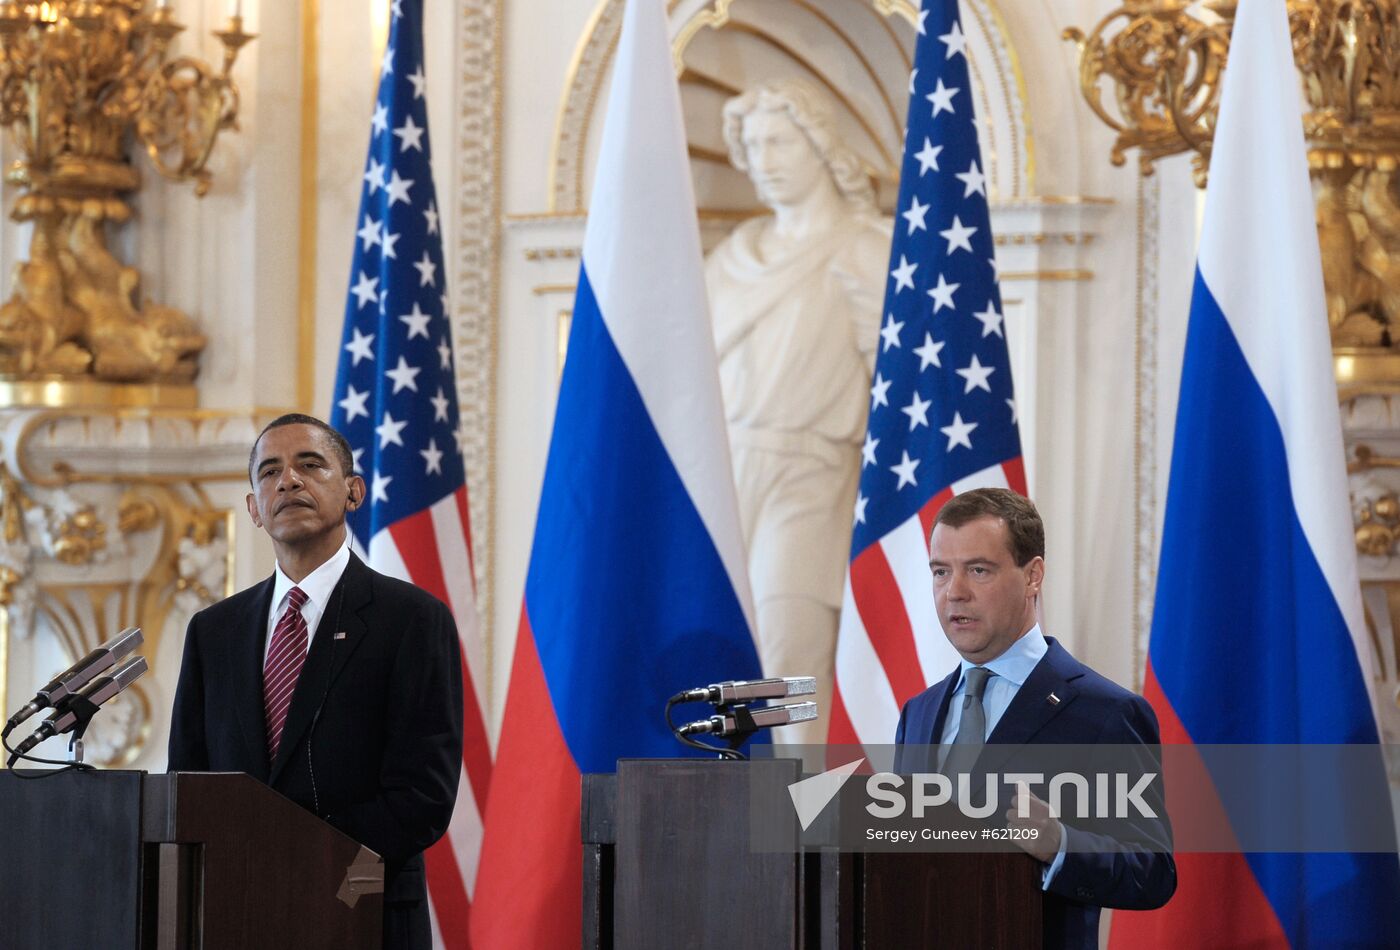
[1017, 686]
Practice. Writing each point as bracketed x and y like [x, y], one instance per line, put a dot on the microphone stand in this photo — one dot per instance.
[743, 719]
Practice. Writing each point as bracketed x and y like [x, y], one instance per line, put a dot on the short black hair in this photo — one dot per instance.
[341, 447]
[1025, 532]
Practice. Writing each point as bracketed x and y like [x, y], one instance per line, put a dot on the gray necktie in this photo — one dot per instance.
[972, 727]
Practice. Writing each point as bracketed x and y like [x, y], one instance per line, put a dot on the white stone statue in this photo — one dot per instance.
[796, 299]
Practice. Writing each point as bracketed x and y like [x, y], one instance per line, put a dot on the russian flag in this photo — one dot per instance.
[637, 586]
[1258, 633]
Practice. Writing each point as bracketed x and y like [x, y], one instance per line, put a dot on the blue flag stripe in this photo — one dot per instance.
[627, 595]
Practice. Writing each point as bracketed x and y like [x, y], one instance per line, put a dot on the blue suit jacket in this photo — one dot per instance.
[1091, 710]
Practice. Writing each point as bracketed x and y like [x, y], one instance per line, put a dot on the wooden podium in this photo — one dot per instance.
[186, 860]
[668, 861]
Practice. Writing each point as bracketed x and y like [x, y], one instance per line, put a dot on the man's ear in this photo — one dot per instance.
[253, 510]
[1035, 575]
[355, 492]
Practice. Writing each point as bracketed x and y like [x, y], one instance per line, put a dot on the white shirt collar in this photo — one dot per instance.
[317, 586]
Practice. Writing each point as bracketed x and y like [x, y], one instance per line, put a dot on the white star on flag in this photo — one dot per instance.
[958, 236]
[955, 41]
[905, 471]
[973, 180]
[417, 322]
[878, 392]
[942, 98]
[398, 188]
[389, 241]
[890, 333]
[976, 375]
[928, 157]
[440, 404]
[404, 376]
[369, 233]
[917, 411]
[958, 432]
[380, 122]
[389, 431]
[904, 274]
[943, 294]
[361, 347]
[991, 320]
[365, 290]
[867, 451]
[410, 135]
[374, 176]
[354, 403]
[915, 215]
[427, 271]
[928, 353]
[432, 455]
[861, 502]
[419, 82]
[379, 488]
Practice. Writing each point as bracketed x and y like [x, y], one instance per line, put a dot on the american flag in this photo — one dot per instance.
[942, 410]
[395, 400]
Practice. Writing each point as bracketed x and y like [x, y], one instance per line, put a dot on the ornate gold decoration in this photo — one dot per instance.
[77, 80]
[92, 545]
[1163, 67]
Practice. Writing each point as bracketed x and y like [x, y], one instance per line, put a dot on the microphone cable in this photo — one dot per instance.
[723, 753]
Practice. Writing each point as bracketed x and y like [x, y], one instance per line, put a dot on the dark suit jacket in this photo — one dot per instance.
[1092, 710]
[385, 750]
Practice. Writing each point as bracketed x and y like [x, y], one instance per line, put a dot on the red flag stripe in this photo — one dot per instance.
[418, 549]
[451, 904]
[881, 606]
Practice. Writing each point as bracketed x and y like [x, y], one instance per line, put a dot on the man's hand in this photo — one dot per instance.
[1045, 844]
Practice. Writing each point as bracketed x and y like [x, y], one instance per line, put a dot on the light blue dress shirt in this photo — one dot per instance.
[1010, 672]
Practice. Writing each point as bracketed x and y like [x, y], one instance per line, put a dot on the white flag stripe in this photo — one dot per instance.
[907, 553]
[993, 476]
[384, 556]
[645, 211]
[871, 707]
[1260, 185]
[457, 575]
[464, 831]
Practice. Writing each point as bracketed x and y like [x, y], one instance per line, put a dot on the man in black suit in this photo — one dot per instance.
[1017, 686]
[365, 728]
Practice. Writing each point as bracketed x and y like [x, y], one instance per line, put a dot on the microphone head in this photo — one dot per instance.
[801, 685]
[124, 642]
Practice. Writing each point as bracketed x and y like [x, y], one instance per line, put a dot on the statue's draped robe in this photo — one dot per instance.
[796, 330]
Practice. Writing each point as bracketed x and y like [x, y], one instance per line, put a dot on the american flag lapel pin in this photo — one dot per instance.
[339, 635]
[1052, 699]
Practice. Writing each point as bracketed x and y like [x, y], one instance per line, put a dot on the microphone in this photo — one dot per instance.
[747, 691]
[67, 683]
[96, 693]
[765, 718]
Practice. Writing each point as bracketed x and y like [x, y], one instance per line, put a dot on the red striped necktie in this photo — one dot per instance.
[285, 658]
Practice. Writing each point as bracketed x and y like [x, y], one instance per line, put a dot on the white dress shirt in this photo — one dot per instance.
[317, 586]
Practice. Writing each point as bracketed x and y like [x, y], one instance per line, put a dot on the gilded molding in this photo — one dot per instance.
[105, 523]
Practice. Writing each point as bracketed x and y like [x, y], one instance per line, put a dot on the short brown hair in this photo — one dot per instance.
[1025, 532]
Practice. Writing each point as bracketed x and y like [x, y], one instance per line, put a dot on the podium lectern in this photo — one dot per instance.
[109, 859]
[668, 861]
